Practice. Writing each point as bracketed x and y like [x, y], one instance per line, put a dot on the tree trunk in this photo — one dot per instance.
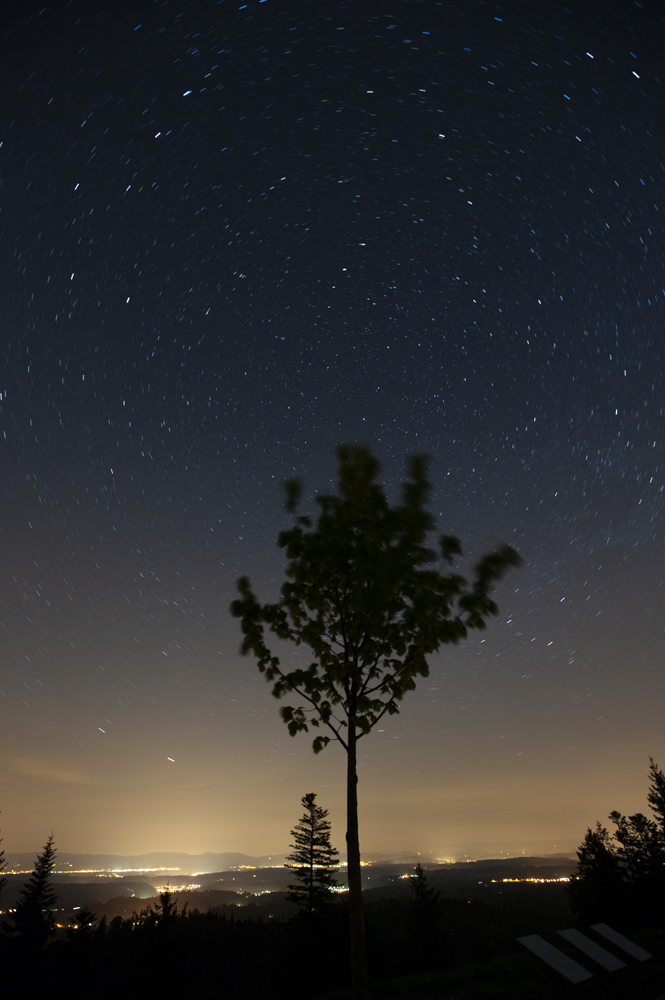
[356, 914]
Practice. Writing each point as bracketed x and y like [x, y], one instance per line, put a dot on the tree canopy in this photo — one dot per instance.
[622, 874]
[364, 594]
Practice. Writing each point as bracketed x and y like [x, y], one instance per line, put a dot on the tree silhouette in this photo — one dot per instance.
[624, 873]
[33, 918]
[82, 926]
[656, 795]
[314, 859]
[167, 908]
[3, 865]
[640, 852]
[425, 900]
[426, 910]
[597, 891]
[364, 594]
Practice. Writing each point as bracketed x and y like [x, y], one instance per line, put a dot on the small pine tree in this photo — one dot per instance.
[3, 865]
[167, 908]
[33, 918]
[314, 859]
[82, 930]
[656, 794]
[426, 920]
[425, 900]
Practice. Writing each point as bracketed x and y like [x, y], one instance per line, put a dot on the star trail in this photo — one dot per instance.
[236, 235]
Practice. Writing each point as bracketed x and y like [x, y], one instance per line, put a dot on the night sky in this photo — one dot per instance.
[235, 235]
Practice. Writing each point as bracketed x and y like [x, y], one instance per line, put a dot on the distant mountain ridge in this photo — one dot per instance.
[246, 883]
[189, 864]
[155, 860]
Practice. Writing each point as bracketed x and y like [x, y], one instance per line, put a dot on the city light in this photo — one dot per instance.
[564, 878]
[178, 888]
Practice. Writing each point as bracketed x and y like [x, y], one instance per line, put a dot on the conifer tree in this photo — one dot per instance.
[624, 873]
[82, 930]
[597, 890]
[426, 914]
[33, 918]
[314, 860]
[3, 865]
[425, 901]
[641, 852]
[656, 794]
[167, 908]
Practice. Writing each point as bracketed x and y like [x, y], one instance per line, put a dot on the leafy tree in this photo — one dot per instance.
[364, 594]
[314, 859]
[33, 918]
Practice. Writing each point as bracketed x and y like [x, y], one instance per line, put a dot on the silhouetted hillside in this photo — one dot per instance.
[124, 906]
[71, 894]
[392, 877]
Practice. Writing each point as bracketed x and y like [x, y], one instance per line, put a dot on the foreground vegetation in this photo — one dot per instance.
[418, 946]
[621, 876]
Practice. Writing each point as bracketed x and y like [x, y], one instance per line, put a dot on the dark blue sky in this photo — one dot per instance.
[236, 235]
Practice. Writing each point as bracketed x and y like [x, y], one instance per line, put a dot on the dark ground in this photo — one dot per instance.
[467, 952]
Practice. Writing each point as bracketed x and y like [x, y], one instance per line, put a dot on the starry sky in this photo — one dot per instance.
[235, 235]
